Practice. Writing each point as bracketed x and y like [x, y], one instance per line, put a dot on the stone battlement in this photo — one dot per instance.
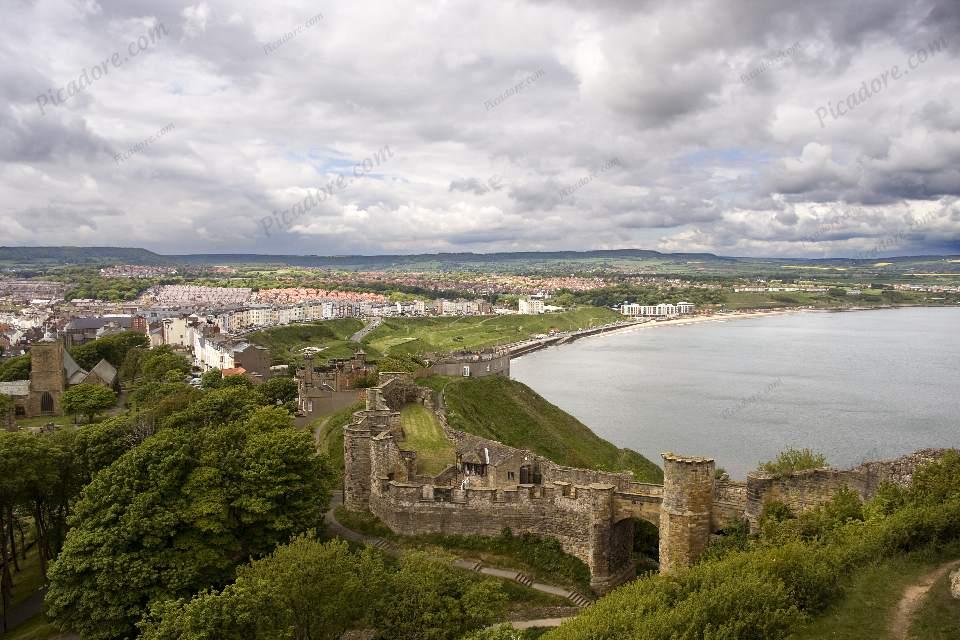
[591, 513]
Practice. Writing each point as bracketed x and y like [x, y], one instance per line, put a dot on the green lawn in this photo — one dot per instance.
[874, 592]
[424, 435]
[514, 414]
[40, 421]
[446, 334]
[939, 617]
[37, 628]
[332, 336]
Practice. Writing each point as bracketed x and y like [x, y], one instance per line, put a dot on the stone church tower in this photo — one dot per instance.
[47, 378]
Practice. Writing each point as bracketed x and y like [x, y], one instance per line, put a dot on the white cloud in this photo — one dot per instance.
[709, 162]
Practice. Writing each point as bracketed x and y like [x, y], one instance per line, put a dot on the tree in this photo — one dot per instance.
[176, 514]
[157, 363]
[35, 478]
[425, 600]
[112, 348]
[212, 379]
[15, 369]
[6, 411]
[88, 400]
[279, 390]
[305, 589]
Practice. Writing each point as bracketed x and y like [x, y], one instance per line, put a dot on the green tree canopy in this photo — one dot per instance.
[112, 348]
[87, 400]
[177, 513]
[15, 369]
[279, 390]
[306, 589]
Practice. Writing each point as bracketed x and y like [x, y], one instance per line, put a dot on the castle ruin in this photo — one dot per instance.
[491, 486]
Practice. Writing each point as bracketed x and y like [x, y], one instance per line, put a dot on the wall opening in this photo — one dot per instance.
[46, 403]
[646, 545]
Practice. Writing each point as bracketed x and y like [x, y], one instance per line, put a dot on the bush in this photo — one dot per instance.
[543, 555]
[793, 460]
[793, 570]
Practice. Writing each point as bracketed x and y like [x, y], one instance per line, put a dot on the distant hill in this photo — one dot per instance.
[38, 256]
[520, 262]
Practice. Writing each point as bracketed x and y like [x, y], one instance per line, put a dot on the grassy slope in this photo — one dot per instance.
[874, 592]
[286, 343]
[424, 435]
[330, 434]
[512, 413]
[445, 334]
[939, 617]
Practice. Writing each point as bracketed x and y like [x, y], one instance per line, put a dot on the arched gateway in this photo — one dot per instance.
[591, 513]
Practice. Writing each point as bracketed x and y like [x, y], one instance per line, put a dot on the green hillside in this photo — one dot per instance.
[445, 334]
[514, 414]
[332, 336]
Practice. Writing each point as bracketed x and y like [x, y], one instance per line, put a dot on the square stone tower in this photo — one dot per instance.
[47, 378]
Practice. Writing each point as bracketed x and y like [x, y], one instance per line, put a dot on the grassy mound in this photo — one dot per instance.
[445, 334]
[333, 336]
[424, 435]
[514, 414]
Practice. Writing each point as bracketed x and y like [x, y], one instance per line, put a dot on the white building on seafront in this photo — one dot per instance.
[662, 310]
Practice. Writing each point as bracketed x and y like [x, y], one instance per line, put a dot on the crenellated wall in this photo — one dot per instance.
[807, 489]
[579, 517]
[591, 513]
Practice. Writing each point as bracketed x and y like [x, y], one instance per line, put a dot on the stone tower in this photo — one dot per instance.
[687, 510]
[357, 466]
[47, 378]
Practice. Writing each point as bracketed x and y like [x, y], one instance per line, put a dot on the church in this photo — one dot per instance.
[52, 371]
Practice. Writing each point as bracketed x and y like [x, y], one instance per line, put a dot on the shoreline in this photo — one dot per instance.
[708, 317]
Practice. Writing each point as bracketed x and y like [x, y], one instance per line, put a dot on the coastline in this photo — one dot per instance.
[531, 346]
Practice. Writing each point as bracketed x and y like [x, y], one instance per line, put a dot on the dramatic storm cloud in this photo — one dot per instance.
[818, 128]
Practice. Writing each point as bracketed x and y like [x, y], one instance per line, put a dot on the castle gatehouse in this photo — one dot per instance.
[489, 486]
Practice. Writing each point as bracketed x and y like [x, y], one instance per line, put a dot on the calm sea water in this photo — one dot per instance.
[857, 386]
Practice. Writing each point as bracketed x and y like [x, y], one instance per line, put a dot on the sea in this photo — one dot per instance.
[856, 385]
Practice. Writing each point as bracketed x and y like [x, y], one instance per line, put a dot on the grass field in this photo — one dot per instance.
[37, 628]
[446, 334]
[332, 336]
[514, 414]
[329, 434]
[939, 617]
[65, 422]
[424, 435]
[866, 610]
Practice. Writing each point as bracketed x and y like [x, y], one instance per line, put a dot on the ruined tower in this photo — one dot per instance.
[687, 509]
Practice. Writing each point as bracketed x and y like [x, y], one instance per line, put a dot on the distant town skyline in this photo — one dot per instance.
[739, 128]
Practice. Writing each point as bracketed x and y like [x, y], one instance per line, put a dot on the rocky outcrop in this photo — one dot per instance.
[955, 584]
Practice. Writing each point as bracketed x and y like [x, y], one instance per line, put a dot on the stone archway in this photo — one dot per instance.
[46, 403]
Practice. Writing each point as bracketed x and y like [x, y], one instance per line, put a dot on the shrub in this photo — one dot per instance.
[793, 460]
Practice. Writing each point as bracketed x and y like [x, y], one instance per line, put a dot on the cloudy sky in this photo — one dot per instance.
[824, 128]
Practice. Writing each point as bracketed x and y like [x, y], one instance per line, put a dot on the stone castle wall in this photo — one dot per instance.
[581, 520]
[807, 489]
[591, 513]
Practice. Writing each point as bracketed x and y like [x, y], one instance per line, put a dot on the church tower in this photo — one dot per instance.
[47, 378]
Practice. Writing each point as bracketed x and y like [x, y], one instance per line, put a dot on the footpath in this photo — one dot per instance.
[578, 599]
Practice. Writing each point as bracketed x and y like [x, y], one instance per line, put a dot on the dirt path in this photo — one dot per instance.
[913, 597]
